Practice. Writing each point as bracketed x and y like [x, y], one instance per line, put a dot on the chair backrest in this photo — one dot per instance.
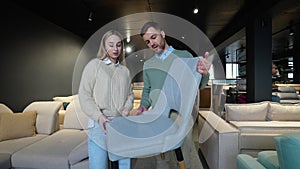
[288, 150]
[179, 91]
[181, 87]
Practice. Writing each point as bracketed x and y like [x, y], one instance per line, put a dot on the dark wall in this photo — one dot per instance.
[37, 58]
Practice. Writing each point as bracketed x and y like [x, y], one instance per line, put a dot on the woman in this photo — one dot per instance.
[105, 91]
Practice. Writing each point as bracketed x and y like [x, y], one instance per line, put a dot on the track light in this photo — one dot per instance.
[90, 17]
[291, 32]
[196, 10]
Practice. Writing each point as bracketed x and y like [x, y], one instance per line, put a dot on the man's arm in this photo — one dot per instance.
[204, 81]
[203, 67]
[145, 101]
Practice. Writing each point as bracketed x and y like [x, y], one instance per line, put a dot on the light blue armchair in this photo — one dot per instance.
[286, 155]
[154, 132]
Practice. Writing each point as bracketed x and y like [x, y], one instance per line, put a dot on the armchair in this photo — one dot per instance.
[286, 155]
[154, 132]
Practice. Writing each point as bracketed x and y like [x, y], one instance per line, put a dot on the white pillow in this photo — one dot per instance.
[284, 112]
[246, 112]
[75, 118]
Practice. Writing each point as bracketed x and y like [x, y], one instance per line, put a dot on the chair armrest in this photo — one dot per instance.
[47, 120]
[245, 161]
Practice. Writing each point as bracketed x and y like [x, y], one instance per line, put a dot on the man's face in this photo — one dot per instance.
[155, 40]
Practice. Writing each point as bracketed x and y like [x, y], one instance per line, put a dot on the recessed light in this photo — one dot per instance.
[196, 11]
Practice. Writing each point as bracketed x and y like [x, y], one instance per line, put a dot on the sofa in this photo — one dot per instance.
[48, 146]
[244, 128]
[287, 95]
[286, 155]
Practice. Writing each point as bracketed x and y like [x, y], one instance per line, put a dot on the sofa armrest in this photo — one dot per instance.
[218, 141]
[47, 120]
[79, 153]
[245, 161]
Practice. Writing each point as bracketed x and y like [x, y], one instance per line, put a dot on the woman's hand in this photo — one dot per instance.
[102, 120]
[125, 112]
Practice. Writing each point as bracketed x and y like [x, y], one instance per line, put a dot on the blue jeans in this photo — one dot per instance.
[98, 157]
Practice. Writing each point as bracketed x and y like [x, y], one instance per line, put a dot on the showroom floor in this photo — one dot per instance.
[150, 162]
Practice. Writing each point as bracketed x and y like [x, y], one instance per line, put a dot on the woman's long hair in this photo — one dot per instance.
[102, 54]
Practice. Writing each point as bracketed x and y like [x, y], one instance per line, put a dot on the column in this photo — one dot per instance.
[259, 59]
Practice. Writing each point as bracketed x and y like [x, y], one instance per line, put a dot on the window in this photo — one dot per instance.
[231, 70]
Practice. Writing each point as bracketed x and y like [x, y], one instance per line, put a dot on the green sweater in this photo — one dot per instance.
[155, 71]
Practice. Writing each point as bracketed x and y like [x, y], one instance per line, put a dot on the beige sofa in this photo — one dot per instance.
[49, 147]
[246, 128]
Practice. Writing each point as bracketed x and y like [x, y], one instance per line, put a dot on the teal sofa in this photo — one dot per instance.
[286, 155]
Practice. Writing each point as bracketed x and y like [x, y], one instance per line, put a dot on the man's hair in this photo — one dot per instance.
[148, 25]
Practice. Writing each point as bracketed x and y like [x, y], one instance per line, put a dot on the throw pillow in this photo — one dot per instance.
[246, 112]
[17, 125]
[284, 112]
[75, 118]
[288, 96]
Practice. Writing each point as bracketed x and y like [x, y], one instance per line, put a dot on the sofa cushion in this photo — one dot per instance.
[288, 96]
[51, 152]
[4, 109]
[17, 125]
[79, 153]
[245, 161]
[14, 145]
[246, 112]
[287, 89]
[283, 112]
[288, 150]
[268, 159]
[257, 135]
[47, 120]
[75, 118]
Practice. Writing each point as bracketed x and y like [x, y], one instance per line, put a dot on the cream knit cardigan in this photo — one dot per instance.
[105, 89]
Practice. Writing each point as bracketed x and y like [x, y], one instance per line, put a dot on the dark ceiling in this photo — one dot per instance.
[220, 20]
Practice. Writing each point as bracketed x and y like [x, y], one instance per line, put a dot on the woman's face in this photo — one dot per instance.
[113, 47]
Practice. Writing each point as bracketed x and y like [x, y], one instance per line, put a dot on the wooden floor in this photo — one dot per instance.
[150, 162]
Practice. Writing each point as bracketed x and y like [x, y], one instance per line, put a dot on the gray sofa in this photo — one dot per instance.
[245, 128]
[50, 147]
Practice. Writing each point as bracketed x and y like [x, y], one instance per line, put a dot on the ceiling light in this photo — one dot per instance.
[128, 49]
[291, 32]
[128, 39]
[196, 10]
[90, 17]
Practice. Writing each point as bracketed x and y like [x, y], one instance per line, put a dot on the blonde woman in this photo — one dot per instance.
[105, 92]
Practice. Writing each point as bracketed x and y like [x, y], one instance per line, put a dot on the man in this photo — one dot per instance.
[155, 71]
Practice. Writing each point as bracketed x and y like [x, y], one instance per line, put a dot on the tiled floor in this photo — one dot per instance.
[150, 162]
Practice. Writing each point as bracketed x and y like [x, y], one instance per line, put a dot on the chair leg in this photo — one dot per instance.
[162, 156]
[179, 157]
[114, 165]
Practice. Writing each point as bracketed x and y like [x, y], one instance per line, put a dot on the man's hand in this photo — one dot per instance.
[102, 120]
[204, 65]
[140, 110]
